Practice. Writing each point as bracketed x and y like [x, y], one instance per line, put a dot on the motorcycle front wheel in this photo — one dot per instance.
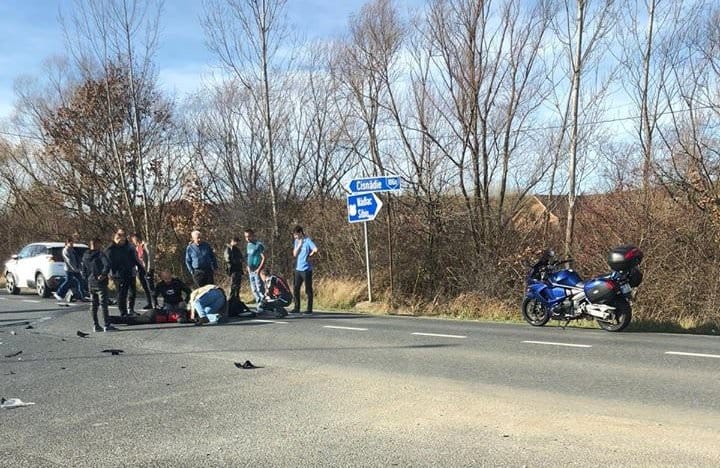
[534, 313]
[623, 314]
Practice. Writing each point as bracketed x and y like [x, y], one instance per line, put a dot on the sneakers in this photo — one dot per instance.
[58, 296]
[97, 328]
[109, 328]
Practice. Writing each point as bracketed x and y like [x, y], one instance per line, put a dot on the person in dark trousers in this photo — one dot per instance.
[200, 260]
[73, 273]
[95, 269]
[142, 271]
[174, 292]
[234, 266]
[123, 264]
[277, 294]
[303, 249]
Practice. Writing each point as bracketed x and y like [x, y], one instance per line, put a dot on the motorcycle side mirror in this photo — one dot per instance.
[14, 257]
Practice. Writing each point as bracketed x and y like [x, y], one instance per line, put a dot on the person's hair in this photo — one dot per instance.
[69, 240]
[235, 239]
[265, 272]
[195, 233]
[94, 242]
[298, 230]
[137, 236]
[249, 231]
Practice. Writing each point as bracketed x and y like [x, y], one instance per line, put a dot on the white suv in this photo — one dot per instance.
[39, 266]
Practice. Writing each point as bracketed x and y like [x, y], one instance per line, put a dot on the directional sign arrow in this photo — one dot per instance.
[363, 207]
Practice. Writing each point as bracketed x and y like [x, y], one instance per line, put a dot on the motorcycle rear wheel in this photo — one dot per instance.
[534, 313]
[623, 315]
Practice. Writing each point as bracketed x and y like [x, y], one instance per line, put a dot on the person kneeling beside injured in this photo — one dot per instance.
[207, 304]
[175, 295]
[277, 294]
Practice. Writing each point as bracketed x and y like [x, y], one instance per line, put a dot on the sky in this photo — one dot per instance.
[30, 32]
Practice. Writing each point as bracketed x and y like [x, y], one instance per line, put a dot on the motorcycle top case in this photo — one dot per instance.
[624, 257]
[600, 290]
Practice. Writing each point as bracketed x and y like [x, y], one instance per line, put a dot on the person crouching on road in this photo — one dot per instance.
[175, 294]
[207, 304]
[277, 294]
[95, 269]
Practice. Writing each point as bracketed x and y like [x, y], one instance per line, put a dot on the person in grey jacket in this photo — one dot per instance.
[200, 260]
[73, 277]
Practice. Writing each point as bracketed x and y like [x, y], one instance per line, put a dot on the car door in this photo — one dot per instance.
[23, 265]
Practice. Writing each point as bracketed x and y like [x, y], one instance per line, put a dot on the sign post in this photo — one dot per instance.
[363, 206]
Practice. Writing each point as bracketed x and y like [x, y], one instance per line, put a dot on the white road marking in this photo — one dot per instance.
[440, 335]
[3, 298]
[570, 345]
[678, 353]
[32, 301]
[345, 328]
[267, 321]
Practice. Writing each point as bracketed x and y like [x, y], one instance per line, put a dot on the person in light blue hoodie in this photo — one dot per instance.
[303, 249]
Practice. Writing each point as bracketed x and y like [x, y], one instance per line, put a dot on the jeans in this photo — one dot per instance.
[300, 278]
[99, 297]
[72, 280]
[257, 286]
[211, 302]
[126, 291]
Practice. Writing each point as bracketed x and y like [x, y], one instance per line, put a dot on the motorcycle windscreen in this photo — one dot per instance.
[600, 290]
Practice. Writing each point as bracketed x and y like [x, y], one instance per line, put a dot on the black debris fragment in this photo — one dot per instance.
[29, 327]
[82, 335]
[246, 365]
[14, 354]
[114, 352]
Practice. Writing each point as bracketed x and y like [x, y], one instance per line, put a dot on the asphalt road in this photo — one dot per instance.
[352, 390]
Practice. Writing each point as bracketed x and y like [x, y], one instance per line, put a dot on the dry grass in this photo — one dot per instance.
[338, 293]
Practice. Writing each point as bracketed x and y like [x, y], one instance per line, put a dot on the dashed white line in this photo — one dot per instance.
[345, 328]
[268, 321]
[678, 353]
[32, 301]
[552, 343]
[3, 298]
[440, 335]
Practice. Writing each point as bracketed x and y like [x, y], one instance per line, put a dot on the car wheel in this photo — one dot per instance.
[41, 286]
[10, 285]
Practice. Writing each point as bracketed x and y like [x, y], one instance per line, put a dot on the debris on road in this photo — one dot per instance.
[82, 335]
[246, 365]
[11, 403]
[114, 352]
[13, 354]
[29, 327]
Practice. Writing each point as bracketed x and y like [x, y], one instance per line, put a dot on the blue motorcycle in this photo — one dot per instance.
[554, 292]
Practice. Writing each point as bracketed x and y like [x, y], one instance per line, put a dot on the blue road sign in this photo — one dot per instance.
[375, 184]
[363, 207]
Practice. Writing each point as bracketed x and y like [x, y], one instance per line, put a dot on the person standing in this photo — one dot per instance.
[142, 256]
[303, 249]
[255, 263]
[73, 273]
[200, 260]
[95, 267]
[234, 266]
[123, 263]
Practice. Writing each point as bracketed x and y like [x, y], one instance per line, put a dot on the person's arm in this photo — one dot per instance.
[84, 270]
[213, 260]
[262, 258]
[313, 247]
[298, 245]
[188, 258]
[105, 267]
[185, 290]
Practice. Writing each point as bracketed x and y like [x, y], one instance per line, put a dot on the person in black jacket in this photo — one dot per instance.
[234, 266]
[123, 267]
[95, 269]
[174, 292]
